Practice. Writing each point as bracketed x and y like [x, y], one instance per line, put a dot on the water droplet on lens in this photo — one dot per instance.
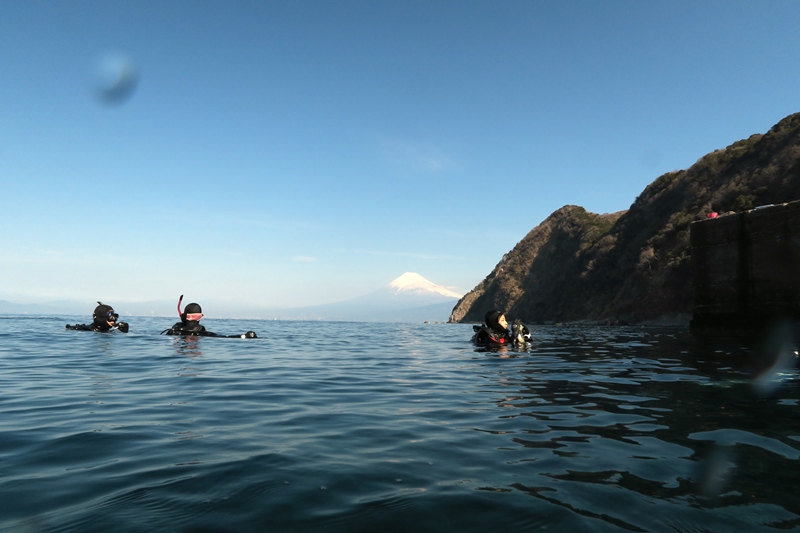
[715, 472]
[778, 355]
[115, 79]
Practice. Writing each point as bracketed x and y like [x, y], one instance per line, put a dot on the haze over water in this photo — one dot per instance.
[340, 426]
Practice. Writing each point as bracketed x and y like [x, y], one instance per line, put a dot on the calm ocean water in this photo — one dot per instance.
[390, 427]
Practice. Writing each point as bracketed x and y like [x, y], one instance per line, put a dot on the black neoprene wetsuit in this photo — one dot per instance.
[193, 328]
[102, 328]
[485, 335]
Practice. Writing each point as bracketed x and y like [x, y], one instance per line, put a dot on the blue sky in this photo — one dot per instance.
[305, 152]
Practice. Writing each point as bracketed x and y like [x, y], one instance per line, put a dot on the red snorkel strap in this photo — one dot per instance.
[179, 305]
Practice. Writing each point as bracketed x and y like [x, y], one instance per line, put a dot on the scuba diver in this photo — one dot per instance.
[494, 331]
[190, 324]
[104, 319]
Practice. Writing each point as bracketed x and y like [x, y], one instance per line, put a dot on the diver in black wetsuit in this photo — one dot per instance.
[494, 331]
[190, 324]
[104, 319]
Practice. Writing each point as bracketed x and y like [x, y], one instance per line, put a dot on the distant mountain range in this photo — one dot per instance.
[45, 308]
[408, 298]
[76, 308]
[634, 266]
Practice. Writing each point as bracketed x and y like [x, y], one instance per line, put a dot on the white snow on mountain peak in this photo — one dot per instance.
[413, 282]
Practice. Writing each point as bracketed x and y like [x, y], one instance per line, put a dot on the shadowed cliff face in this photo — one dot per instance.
[634, 266]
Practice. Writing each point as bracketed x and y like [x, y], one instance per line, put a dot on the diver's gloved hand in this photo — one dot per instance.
[123, 327]
[250, 335]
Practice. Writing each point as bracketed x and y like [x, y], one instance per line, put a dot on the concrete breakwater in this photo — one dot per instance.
[746, 269]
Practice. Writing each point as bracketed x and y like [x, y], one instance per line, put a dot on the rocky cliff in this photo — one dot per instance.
[634, 266]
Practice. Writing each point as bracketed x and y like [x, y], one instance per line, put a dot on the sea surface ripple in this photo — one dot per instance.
[346, 427]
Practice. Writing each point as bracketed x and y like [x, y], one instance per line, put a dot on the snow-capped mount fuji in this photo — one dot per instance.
[411, 282]
[408, 298]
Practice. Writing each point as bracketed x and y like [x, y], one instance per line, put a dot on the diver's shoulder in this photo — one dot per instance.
[486, 335]
[179, 328]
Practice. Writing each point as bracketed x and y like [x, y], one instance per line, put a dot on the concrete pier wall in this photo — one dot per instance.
[746, 270]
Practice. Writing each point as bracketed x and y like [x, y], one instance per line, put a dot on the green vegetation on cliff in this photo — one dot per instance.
[634, 266]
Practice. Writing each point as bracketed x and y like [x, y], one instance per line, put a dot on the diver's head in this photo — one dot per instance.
[192, 313]
[496, 320]
[104, 316]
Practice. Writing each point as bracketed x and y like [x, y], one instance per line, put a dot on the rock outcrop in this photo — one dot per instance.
[634, 266]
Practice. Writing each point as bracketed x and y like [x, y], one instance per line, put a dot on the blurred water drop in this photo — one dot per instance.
[115, 79]
[715, 472]
[778, 356]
